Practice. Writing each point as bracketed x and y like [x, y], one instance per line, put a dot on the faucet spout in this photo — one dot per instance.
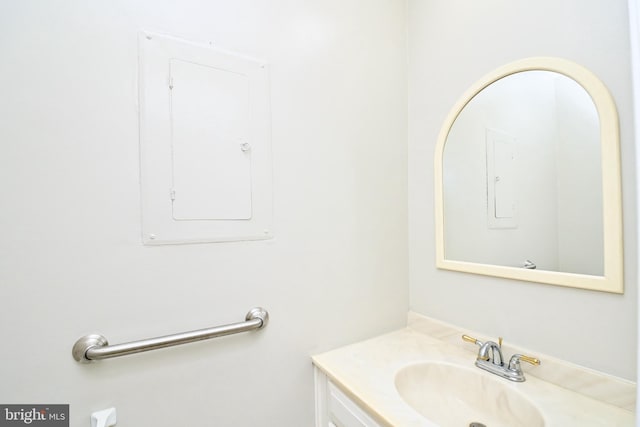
[490, 351]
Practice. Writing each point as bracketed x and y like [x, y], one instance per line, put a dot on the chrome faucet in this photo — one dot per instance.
[490, 359]
[490, 351]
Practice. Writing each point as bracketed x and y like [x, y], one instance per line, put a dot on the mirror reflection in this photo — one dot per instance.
[522, 177]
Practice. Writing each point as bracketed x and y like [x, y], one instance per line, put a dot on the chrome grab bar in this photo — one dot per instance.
[96, 347]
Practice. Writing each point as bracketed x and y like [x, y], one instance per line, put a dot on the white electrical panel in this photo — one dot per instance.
[204, 144]
[209, 121]
[501, 180]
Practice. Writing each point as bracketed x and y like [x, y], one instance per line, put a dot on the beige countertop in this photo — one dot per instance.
[366, 371]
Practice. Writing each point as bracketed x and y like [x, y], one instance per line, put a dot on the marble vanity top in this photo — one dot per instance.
[366, 371]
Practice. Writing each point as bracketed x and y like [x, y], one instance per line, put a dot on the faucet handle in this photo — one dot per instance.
[514, 362]
[479, 343]
[472, 340]
[529, 359]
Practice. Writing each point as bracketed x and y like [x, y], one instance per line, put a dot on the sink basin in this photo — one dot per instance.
[451, 395]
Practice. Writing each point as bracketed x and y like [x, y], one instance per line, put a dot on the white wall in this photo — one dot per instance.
[451, 45]
[71, 259]
[634, 27]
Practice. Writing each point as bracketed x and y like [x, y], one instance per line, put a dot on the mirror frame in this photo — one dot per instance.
[612, 280]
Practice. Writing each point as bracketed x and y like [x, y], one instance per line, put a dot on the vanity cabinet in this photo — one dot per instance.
[335, 409]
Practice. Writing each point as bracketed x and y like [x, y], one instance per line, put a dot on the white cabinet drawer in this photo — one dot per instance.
[335, 409]
[344, 412]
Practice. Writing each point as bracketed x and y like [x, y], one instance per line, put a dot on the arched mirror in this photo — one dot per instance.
[527, 177]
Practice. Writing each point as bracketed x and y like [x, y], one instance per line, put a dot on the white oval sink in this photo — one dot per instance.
[451, 395]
